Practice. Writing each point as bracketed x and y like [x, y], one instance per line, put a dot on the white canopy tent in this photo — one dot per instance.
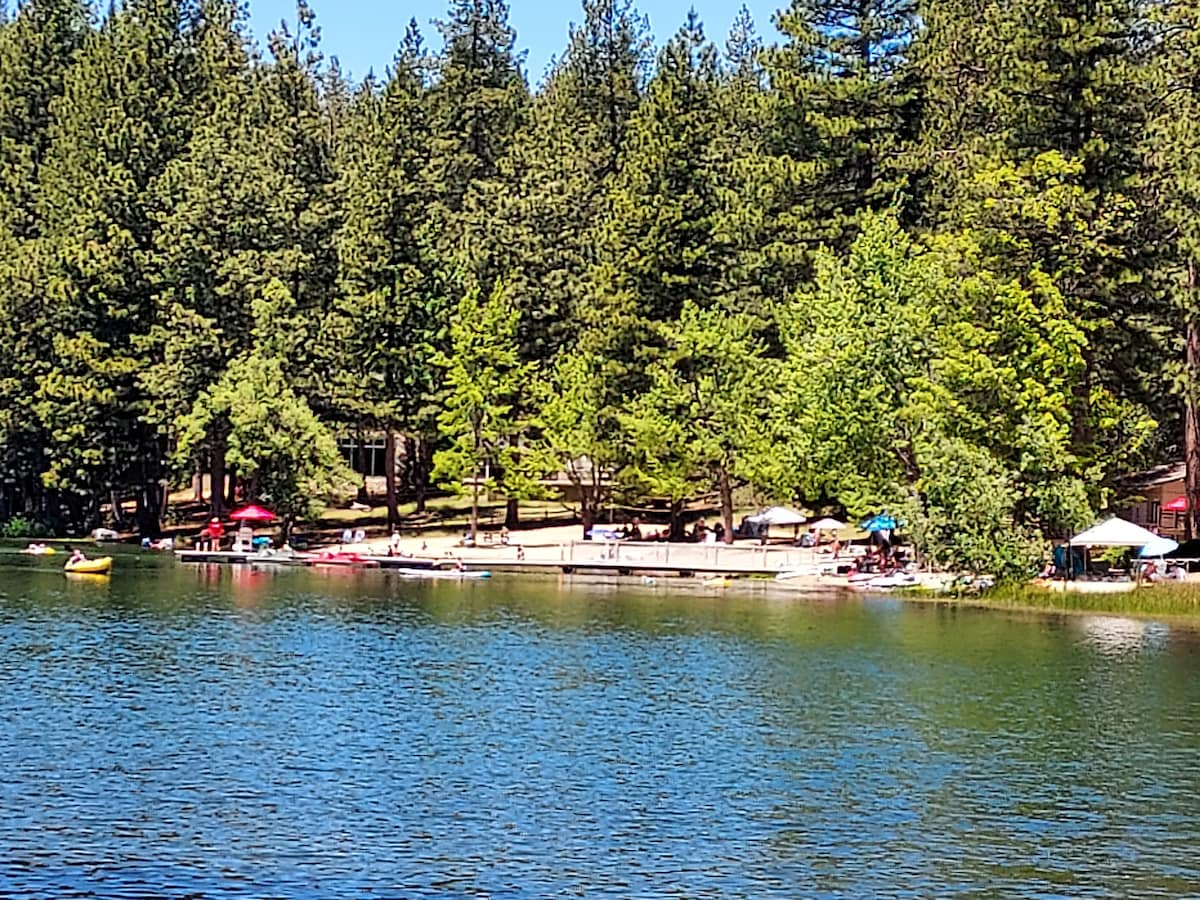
[1114, 532]
[777, 515]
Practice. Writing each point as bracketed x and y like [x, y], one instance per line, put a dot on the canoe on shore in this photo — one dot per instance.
[99, 566]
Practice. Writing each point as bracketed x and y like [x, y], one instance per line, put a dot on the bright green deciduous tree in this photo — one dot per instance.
[700, 426]
[485, 382]
[910, 366]
[286, 456]
[576, 432]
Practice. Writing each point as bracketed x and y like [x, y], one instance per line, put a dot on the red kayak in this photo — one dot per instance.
[342, 558]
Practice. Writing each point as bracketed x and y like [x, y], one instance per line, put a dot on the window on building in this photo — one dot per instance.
[370, 461]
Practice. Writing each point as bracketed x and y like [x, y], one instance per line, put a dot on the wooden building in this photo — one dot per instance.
[1155, 499]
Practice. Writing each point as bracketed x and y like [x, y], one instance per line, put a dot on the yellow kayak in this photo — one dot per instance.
[100, 566]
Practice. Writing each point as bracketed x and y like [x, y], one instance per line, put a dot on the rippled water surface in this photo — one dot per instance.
[184, 732]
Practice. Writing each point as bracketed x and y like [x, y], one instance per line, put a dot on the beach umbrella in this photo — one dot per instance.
[777, 515]
[826, 524]
[252, 513]
[881, 522]
[1159, 547]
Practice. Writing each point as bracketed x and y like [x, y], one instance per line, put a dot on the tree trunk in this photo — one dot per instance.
[676, 528]
[216, 479]
[389, 479]
[231, 496]
[420, 470]
[149, 509]
[587, 511]
[512, 513]
[361, 452]
[475, 505]
[1191, 417]
[726, 490]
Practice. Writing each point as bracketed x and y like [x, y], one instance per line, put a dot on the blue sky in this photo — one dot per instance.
[364, 34]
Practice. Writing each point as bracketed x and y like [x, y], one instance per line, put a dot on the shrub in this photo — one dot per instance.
[23, 527]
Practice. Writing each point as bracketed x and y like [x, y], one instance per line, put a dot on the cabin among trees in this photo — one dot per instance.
[1156, 499]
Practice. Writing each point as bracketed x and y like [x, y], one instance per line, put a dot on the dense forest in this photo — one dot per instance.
[927, 256]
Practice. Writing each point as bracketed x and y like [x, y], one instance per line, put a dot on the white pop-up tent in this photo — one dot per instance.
[1114, 532]
[777, 515]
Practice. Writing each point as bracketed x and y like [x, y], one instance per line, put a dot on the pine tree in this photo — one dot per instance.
[1171, 153]
[217, 239]
[843, 99]
[661, 248]
[300, 144]
[36, 49]
[387, 320]
[561, 168]
[122, 117]
[476, 105]
[37, 46]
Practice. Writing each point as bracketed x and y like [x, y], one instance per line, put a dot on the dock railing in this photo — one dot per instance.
[688, 556]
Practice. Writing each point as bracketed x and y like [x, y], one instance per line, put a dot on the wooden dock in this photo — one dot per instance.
[599, 557]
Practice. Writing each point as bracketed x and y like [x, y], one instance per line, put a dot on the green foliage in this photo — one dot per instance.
[941, 260]
[485, 381]
[912, 367]
[699, 426]
[287, 455]
[23, 527]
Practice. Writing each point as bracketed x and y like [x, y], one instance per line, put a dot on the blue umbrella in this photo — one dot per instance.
[880, 522]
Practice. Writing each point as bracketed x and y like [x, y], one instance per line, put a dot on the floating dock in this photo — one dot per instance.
[597, 557]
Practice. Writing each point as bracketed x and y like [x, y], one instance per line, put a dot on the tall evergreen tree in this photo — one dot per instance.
[661, 247]
[843, 99]
[37, 47]
[561, 168]
[476, 105]
[122, 117]
[388, 318]
[1171, 151]
[224, 212]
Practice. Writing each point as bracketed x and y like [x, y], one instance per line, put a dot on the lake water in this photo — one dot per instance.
[206, 733]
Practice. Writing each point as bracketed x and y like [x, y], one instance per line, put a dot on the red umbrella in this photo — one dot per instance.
[252, 513]
[1179, 504]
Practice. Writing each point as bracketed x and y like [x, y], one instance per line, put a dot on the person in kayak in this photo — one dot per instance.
[77, 556]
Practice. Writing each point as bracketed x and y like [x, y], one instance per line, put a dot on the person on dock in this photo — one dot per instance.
[210, 537]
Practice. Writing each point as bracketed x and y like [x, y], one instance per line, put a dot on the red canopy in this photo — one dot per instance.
[1179, 504]
[251, 513]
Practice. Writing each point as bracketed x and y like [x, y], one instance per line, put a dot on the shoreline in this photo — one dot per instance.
[543, 549]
